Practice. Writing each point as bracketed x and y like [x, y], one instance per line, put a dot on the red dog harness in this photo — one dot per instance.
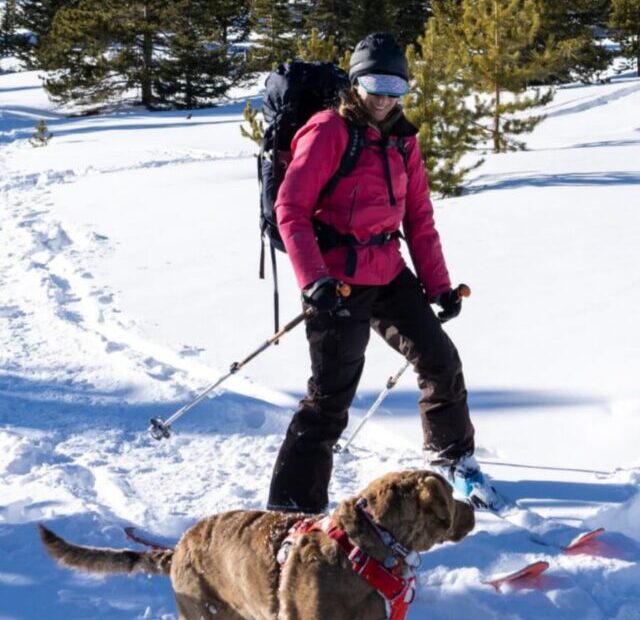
[396, 584]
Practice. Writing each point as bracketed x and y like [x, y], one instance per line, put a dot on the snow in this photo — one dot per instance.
[128, 269]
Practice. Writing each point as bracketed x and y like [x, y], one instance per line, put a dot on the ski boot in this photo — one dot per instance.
[466, 478]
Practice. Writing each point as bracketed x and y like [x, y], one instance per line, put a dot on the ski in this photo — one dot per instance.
[132, 534]
[549, 532]
[525, 577]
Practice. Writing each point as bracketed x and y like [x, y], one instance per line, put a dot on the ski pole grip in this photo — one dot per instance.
[462, 290]
[344, 290]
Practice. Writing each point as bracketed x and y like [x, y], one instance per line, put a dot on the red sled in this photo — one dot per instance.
[522, 577]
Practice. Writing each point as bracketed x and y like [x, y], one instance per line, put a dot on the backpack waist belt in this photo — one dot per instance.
[328, 238]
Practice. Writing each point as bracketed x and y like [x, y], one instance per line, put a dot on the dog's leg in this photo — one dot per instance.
[195, 598]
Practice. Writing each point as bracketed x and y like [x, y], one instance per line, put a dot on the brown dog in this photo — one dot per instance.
[225, 566]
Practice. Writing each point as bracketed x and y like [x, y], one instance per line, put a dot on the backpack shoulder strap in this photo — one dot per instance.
[350, 156]
[401, 145]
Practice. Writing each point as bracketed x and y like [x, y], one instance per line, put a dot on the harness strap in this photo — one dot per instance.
[398, 591]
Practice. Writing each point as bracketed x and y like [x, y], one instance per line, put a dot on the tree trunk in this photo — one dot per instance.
[496, 122]
[147, 60]
[188, 99]
[496, 78]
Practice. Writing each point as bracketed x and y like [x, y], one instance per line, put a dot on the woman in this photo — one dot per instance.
[386, 192]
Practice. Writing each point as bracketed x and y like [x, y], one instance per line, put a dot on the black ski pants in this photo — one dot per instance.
[400, 313]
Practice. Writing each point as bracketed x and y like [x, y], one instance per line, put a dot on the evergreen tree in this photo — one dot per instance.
[42, 135]
[232, 19]
[315, 48]
[256, 126]
[408, 19]
[76, 52]
[196, 66]
[8, 28]
[273, 22]
[172, 52]
[369, 16]
[439, 105]
[332, 18]
[625, 19]
[35, 17]
[569, 25]
[495, 35]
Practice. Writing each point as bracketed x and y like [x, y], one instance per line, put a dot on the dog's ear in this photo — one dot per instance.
[349, 519]
[464, 520]
[444, 518]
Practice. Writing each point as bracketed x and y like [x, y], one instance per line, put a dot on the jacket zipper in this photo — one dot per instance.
[354, 193]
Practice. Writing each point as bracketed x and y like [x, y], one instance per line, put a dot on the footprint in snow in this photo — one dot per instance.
[190, 351]
[158, 370]
[11, 312]
[113, 347]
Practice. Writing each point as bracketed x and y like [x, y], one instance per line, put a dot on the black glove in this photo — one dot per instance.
[322, 294]
[451, 304]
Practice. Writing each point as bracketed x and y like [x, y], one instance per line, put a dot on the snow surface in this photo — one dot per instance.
[128, 282]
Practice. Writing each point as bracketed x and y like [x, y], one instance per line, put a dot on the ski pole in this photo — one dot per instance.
[462, 290]
[161, 429]
[390, 385]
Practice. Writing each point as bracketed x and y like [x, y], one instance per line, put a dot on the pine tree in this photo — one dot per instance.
[625, 19]
[439, 105]
[495, 36]
[408, 18]
[35, 17]
[196, 67]
[332, 18]
[315, 48]
[96, 54]
[42, 135]
[273, 22]
[172, 52]
[256, 126]
[232, 19]
[7, 28]
[76, 51]
[369, 16]
[569, 26]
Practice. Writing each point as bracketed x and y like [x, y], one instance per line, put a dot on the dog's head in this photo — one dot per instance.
[417, 507]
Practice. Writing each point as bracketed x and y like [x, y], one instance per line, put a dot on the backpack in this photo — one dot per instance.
[293, 93]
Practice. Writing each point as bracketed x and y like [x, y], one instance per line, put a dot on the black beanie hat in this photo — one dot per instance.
[378, 52]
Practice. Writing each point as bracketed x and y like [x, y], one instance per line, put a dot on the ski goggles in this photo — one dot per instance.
[382, 84]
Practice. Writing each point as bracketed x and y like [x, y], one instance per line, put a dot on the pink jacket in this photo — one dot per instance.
[359, 205]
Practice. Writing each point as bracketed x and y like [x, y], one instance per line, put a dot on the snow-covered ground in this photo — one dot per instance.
[128, 281]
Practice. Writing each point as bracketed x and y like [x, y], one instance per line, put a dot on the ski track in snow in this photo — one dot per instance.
[79, 383]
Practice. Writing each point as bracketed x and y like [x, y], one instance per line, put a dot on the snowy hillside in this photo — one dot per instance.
[128, 282]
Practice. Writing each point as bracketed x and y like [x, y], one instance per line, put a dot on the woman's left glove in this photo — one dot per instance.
[322, 295]
[451, 304]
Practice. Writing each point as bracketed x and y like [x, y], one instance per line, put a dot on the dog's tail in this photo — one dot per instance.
[96, 560]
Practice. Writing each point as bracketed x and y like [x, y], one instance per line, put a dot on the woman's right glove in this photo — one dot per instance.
[451, 304]
[322, 294]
